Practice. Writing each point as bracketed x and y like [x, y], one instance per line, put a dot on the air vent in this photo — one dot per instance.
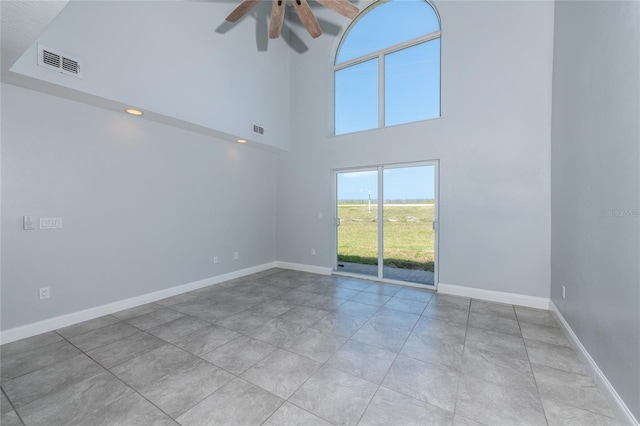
[50, 59]
[58, 61]
[71, 66]
[258, 130]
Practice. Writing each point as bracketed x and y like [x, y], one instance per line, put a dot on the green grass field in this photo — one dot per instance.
[408, 235]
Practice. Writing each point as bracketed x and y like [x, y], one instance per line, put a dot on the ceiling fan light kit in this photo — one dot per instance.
[343, 7]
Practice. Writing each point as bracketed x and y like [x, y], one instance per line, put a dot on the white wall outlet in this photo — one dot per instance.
[27, 223]
[44, 293]
[313, 252]
[236, 255]
[215, 259]
[564, 292]
[319, 215]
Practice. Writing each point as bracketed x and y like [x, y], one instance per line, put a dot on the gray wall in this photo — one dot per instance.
[145, 206]
[176, 59]
[595, 184]
[493, 143]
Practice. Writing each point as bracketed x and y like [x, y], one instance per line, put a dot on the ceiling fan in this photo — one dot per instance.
[343, 7]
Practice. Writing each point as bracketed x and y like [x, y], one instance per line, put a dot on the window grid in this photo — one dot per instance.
[381, 93]
[428, 37]
[380, 55]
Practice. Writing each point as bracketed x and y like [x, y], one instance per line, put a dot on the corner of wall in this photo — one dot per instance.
[608, 391]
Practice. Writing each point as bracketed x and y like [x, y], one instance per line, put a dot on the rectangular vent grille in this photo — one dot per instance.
[258, 130]
[50, 59]
[54, 60]
[70, 65]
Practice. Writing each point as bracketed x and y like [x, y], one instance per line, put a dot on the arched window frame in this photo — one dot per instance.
[380, 55]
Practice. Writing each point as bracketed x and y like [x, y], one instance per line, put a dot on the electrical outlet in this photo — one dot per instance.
[313, 252]
[44, 293]
[236, 255]
[215, 259]
[564, 292]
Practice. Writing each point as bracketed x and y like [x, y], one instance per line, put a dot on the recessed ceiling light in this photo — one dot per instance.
[134, 111]
[241, 141]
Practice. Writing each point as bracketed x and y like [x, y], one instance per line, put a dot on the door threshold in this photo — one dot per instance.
[386, 280]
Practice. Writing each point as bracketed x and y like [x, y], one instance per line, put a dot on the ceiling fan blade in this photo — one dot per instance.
[277, 18]
[242, 10]
[306, 16]
[343, 7]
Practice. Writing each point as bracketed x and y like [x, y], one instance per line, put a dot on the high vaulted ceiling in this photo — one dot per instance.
[179, 62]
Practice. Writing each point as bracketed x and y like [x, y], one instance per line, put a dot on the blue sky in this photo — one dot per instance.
[399, 183]
[412, 91]
[388, 24]
[411, 75]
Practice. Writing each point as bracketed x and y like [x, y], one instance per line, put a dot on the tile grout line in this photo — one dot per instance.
[399, 353]
[464, 348]
[354, 333]
[277, 348]
[15, 410]
[146, 352]
[322, 365]
[116, 377]
[312, 374]
[234, 376]
[544, 412]
[383, 377]
[553, 368]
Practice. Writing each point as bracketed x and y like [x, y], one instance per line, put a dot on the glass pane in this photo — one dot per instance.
[408, 212]
[357, 97]
[412, 84]
[386, 25]
[358, 229]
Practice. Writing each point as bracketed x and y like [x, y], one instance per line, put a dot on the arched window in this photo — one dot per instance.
[387, 67]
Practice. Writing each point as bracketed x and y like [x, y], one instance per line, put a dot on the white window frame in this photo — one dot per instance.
[380, 55]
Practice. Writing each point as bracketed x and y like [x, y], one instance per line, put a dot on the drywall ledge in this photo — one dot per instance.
[495, 296]
[608, 391]
[51, 324]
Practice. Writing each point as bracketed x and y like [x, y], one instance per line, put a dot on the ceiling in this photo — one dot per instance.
[22, 23]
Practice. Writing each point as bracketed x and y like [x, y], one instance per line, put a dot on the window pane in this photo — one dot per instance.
[357, 97]
[388, 24]
[412, 84]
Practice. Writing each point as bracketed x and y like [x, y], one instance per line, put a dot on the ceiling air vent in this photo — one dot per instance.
[70, 65]
[58, 61]
[50, 59]
[258, 130]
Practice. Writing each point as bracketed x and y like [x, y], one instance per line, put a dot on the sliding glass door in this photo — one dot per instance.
[386, 222]
[357, 222]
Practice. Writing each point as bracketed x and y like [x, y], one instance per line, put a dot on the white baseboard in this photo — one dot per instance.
[322, 270]
[494, 296]
[618, 406]
[44, 326]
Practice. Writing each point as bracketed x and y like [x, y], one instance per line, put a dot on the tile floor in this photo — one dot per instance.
[291, 348]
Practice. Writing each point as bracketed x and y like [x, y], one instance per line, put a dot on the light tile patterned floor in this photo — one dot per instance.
[291, 348]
